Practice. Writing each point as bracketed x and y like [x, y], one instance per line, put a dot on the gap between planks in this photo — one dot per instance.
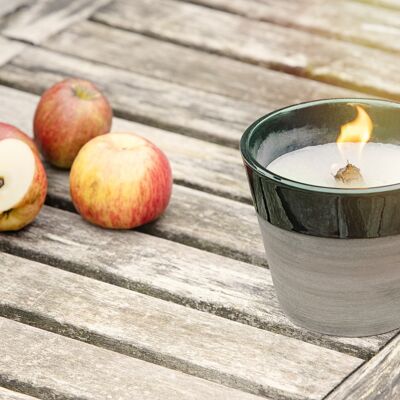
[205, 210]
[196, 164]
[7, 7]
[377, 379]
[170, 271]
[6, 394]
[352, 21]
[50, 366]
[167, 334]
[214, 219]
[147, 100]
[197, 69]
[9, 49]
[41, 19]
[276, 47]
[150, 100]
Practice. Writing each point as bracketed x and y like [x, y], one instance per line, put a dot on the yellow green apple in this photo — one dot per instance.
[120, 181]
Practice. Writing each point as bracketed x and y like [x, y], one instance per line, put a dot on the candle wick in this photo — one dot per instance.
[350, 174]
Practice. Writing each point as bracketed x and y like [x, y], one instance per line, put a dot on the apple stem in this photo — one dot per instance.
[84, 93]
[1, 182]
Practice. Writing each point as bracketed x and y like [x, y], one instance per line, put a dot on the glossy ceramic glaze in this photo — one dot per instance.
[334, 254]
[314, 210]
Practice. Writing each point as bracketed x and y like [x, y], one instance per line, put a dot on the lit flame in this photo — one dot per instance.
[357, 131]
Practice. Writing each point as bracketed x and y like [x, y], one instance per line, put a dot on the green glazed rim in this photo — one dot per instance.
[264, 172]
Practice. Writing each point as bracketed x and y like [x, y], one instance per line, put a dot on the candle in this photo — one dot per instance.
[333, 252]
[316, 165]
[350, 162]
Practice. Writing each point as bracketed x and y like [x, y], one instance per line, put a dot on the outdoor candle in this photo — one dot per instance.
[376, 164]
[325, 182]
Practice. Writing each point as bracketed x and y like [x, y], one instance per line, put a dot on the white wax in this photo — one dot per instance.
[316, 165]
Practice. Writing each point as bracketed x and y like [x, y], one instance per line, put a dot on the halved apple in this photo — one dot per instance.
[8, 131]
[23, 184]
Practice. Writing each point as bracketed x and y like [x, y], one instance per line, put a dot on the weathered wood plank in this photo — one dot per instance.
[195, 163]
[46, 17]
[176, 337]
[277, 47]
[205, 71]
[144, 99]
[6, 394]
[378, 379]
[170, 271]
[8, 7]
[216, 224]
[213, 219]
[9, 50]
[50, 366]
[383, 3]
[345, 19]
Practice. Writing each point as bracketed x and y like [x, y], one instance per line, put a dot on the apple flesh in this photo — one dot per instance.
[68, 115]
[120, 181]
[10, 131]
[23, 184]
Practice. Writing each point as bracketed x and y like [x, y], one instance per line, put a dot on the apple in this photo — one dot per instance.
[10, 131]
[120, 181]
[68, 115]
[23, 184]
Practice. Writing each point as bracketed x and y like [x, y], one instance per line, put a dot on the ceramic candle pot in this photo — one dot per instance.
[334, 253]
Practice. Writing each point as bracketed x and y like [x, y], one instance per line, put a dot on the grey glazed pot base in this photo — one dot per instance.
[345, 287]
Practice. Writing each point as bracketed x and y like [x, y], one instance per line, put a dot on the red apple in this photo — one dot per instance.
[10, 131]
[68, 115]
[23, 184]
[120, 181]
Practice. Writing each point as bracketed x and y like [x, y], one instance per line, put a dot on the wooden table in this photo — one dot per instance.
[183, 308]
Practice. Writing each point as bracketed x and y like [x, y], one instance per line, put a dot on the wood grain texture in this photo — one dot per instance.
[378, 379]
[6, 394]
[9, 50]
[50, 366]
[144, 99]
[44, 18]
[216, 224]
[8, 7]
[195, 163]
[394, 4]
[176, 337]
[213, 219]
[170, 271]
[197, 69]
[277, 47]
[345, 19]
